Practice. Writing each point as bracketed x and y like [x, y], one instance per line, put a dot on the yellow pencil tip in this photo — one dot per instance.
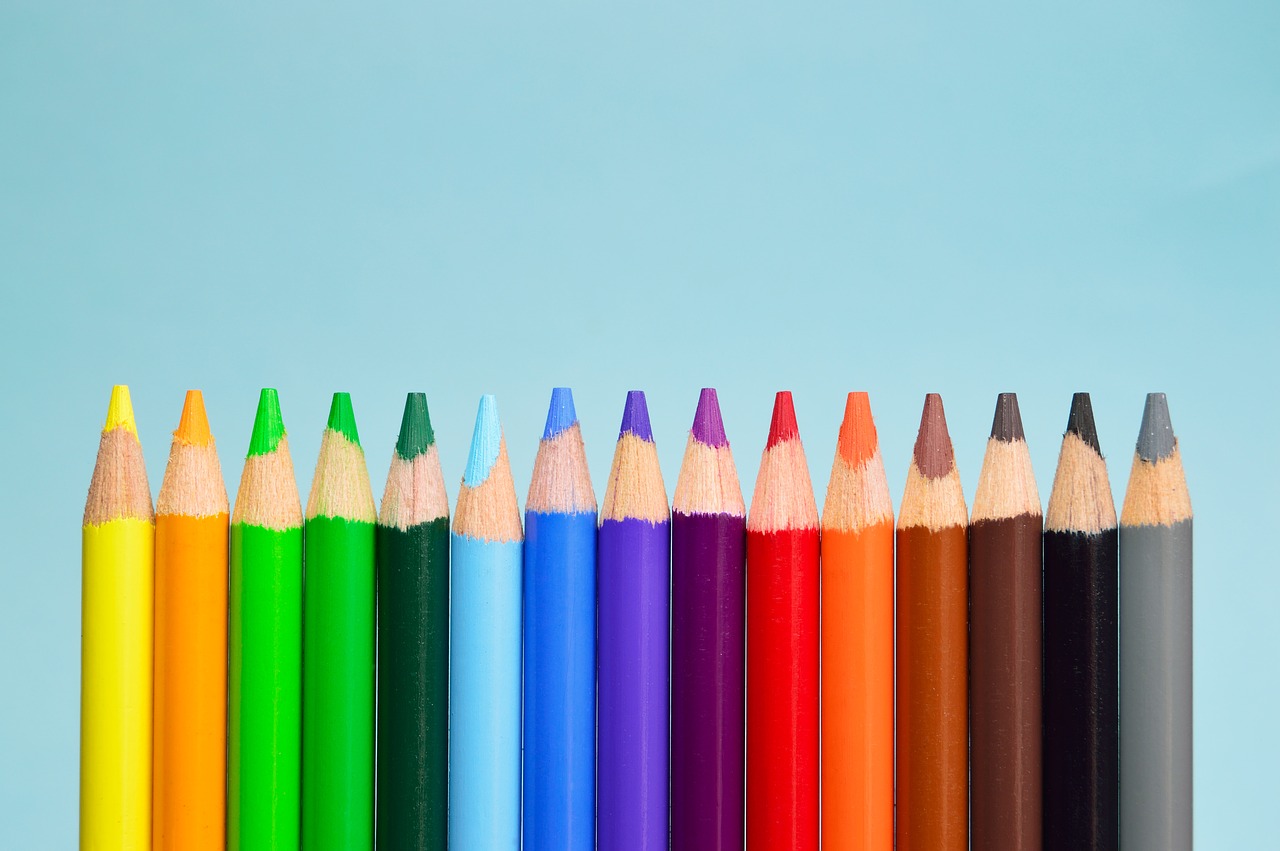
[193, 428]
[120, 410]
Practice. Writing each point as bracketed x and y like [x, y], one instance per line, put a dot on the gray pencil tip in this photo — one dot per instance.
[1156, 440]
[1007, 424]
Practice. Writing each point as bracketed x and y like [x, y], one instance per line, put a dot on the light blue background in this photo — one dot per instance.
[897, 197]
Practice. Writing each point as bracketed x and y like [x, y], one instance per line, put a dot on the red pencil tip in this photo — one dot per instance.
[858, 440]
[783, 427]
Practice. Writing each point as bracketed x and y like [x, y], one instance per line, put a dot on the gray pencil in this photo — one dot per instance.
[1155, 643]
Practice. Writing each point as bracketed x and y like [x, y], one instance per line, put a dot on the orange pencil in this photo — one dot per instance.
[857, 641]
[189, 738]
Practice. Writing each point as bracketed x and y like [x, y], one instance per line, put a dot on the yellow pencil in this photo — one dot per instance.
[115, 684]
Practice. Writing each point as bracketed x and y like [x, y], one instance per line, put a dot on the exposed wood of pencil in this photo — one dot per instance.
[932, 648]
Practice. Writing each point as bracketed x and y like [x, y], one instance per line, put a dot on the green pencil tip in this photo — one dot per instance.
[268, 425]
[342, 419]
[416, 435]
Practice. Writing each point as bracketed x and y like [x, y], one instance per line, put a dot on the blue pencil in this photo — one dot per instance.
[560, 640]
[484, 648]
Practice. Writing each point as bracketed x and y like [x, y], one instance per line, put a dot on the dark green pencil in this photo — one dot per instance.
[413, 642]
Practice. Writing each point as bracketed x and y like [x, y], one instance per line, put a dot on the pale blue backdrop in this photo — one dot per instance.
[499, 197]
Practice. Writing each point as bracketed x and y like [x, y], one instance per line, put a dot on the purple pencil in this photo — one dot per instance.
[708, 600]
[633, 578]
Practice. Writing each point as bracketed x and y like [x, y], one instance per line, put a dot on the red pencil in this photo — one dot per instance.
[782, 645]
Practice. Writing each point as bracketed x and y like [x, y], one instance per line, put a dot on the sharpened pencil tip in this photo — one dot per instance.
[268, 424]
[708, 425]
[635, 417]
[416, 435]
[1156, 439]
[1080, 422]
[933, 454]
[858, 440]
[486, 443]
[783, 426]
[560, 414]
[193, 426]
[120, 410]
[1006, 426]
[342, 418]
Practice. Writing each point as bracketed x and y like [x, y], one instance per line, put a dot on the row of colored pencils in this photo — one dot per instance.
[651, 675]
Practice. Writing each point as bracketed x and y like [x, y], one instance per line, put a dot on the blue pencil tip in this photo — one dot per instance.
[635, 417]
[561, 414]
[485, 443]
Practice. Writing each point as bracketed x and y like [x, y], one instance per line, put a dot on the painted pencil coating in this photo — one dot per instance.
[338, 644]
[782, 638]
[560, 640]
[264, 730]
[485, 648]
[1155, 643]
[632, 627]
[857, 641]
[189, 740]
[932, 646]
[1081, 711]
[708, 640]
[118, 550]
[413, 642]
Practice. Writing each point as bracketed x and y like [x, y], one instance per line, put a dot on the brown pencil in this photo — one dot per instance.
[933, 646]
[1004, 636]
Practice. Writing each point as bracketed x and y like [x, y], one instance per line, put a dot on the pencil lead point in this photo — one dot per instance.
[486, 443]
[120, 410]
[342, 418]
[708, 425]
[1080, 422]
[560, 413]
[858, 440]
[268, 424]
[933, 454]
[1156, 440]
[193, 426]
[783, 426]
[635, 417]
[416, 435]
[1006, 426]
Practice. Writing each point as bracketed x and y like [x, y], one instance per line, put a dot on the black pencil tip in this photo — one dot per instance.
[1080, 422]
[1156, 440]
[1007, 424]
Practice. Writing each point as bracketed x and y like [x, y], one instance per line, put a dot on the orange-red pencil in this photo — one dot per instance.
[189, 738]
[857, 641]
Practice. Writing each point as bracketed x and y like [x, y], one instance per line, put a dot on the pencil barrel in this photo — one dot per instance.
[190, 699]
[484, 735]
[559, 681]
[338, 686]
[708, 681]
[1155, 687]
[932, 689]
[633, 618]
[782, 689]
[115, 685]
[265, 689]
[413, 686]
[857, 689]
[1081, 710]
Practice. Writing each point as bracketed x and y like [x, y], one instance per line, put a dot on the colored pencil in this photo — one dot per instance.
[118, 547]
[933, 634]
[413, 642]
[1155, 642]
[484, 648]
[560, 639]
[189, 742]
[338, 643]
[782, 644]
[1005, 599]
[708, 641]
[632, 622]
[857, 641]
[1081, 712]
[264, 757]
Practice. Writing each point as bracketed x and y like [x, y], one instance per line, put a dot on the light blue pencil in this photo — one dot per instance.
[484, 648]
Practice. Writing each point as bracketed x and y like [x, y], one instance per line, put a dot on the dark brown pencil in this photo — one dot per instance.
[1004, 642]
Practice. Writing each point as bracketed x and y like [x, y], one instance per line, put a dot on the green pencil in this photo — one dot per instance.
[413, 642]
[265, 683]
[338, 640]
